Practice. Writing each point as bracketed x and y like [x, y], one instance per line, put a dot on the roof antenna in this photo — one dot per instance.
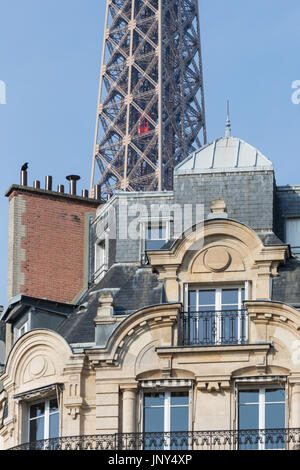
[228, 122]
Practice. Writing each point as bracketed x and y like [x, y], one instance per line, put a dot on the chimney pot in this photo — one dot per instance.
[48, 184]
[97, 192]
[61, 188]
[23, 178]
[85, 193]
[37, 184]
[73, 182]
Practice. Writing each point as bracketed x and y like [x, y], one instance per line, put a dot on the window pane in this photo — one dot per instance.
[37, 410]
[275, 395]
[248, 416]
[207, 308]
[248, 412]
[275, 416]
[204, 327]
[154, 420]
[54, 425]
[230, 296]
[156, 232]
[192, 301]
[229, 326]
[151, 233]
[207, 297]
[154, 244]
[53, 406]
[179, 419]
[179, 398]
[230, 307]
[154, 399]
[293, 232]
[37, 429]
[248, 396]
[162, 233]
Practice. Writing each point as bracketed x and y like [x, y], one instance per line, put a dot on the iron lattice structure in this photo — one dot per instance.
[151, 111]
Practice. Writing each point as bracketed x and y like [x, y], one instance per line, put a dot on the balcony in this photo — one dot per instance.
[214, 328]
[267, 439]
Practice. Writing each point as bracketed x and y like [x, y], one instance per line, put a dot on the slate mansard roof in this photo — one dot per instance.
[132, 287]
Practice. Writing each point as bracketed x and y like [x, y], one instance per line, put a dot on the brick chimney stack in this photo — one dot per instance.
[48, 240]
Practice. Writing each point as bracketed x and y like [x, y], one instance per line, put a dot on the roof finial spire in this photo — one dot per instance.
[228, 122]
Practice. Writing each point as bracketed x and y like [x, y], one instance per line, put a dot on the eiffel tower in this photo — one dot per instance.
[151, 112]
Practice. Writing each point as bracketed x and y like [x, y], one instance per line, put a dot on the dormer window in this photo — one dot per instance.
[21, 328]
[292, 234]
[101, 257]
[156, 235]
[100, 260]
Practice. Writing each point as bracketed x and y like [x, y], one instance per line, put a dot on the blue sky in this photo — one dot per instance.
[50, 53]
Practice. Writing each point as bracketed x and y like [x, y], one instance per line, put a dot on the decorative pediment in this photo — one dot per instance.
[217, 258]
[37, 367]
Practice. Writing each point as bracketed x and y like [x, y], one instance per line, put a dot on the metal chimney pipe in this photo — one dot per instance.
[85, 193]
[97, 192]
[73, 182]
[61, 188]
[37, 184]
[48, 184]
[23, 178]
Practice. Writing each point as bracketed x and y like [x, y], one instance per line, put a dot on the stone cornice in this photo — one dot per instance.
[268, 311]
[223, 350]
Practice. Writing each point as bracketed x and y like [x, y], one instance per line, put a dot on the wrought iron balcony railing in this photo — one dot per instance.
[208, 328]
[266, 439]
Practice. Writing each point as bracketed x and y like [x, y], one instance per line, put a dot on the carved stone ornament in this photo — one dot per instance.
[217, 259]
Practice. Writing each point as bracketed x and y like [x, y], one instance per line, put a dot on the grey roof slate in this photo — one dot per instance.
[269, 238]
[286, 286]
[132, 287]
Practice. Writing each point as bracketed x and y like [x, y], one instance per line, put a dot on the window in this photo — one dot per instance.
[292, 234]
[21, 329]
[44, 420]
[156, 235]
[166, 412]
[262, 410]
[100, 267]
[215, 316]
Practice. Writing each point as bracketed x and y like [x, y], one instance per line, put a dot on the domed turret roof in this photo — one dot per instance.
[228, 154]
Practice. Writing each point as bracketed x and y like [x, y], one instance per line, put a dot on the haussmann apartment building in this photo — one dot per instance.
[169, 336]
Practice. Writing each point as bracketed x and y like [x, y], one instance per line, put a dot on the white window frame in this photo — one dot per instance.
[46, 416]
[218, 303]
[261, 406]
